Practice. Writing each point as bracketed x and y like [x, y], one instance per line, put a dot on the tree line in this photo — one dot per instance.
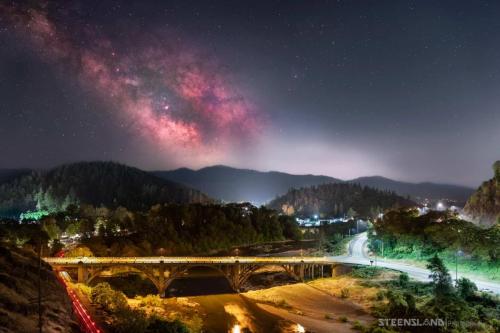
[406, 234]
[169, 228]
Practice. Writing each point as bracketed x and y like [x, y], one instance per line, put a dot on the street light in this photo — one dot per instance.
[457, 253]
[40, 279]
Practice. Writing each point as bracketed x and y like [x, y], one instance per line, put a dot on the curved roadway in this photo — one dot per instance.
[358, 255]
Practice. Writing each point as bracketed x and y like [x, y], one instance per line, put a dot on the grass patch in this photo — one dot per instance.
[283, 304]
[366, 272]
[356, 325]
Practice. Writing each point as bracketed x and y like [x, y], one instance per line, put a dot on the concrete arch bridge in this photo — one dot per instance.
[163, 270]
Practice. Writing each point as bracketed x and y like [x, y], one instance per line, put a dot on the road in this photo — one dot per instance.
[357, 254]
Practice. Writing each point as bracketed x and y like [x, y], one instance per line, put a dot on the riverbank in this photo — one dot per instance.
[318, 305]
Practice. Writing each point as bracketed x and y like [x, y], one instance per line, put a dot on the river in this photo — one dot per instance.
[225, 311]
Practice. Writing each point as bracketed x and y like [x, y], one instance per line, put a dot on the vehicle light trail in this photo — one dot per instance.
[86, 322]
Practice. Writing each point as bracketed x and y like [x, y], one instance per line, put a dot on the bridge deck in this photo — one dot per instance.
[75, 261]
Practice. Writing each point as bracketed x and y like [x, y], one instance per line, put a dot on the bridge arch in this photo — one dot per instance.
[94, 273]
[161, 271]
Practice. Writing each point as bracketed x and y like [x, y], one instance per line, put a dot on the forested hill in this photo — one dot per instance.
[97, 183]
[483, 207]
[337, 200]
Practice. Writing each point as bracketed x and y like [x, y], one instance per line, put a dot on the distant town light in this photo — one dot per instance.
[315, 216]
[440, 205]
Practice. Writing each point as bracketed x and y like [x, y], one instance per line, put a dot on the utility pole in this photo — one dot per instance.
[40, 279]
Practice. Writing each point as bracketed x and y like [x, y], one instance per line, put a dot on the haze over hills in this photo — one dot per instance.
[97, 183]
[235, 185]
[417, 190]
[112, 184]
[232, 184]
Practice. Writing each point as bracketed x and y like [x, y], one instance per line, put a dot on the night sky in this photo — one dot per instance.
[407, 90]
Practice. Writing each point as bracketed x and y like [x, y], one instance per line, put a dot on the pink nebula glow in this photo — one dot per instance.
[164, 92]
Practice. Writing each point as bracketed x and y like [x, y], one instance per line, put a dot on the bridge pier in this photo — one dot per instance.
[235, 276]
[82, 273]
[301, 271]
[162, 285]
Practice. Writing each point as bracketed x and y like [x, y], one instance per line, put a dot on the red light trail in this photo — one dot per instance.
[86, 322]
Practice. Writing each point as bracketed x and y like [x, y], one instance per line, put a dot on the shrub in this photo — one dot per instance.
[327, 316]
[358, 326]
[343, 319]
[151, 300]
[380, 295]
[366, 272]
[159, 325]
[466, 288]
[128, 320]
[403, 280]
[119, 301]
[84, 289]
[344, 293]
[107, 298]
[101, 294]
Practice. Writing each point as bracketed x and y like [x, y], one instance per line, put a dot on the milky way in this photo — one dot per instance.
[161, 89]
[404, 89]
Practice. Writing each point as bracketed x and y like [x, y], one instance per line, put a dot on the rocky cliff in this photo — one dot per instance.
[483, 207]
[19, 295]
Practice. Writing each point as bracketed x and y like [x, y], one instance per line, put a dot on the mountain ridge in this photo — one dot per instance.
[235, 185]
[204, 178]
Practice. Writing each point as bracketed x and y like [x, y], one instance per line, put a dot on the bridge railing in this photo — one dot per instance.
[185, 260]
